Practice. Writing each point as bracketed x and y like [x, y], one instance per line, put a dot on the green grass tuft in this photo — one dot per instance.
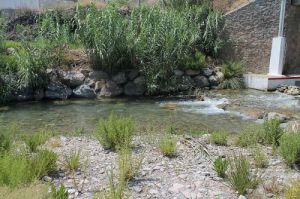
[168, 146]
[221, 166]
[219, 138]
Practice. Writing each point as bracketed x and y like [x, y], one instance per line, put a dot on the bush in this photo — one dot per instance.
[61, 193]
[129, 166]
[168, 146]
[115, 132]
[239, 175]
[233, 76]
[248, 137]
[219, 138]
[289, 148]
[293, 191]
[72, 161]
[33, 141]
[221, 166]
[271, 133]
[260, 158]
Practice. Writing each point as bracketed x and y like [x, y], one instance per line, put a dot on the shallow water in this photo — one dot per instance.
[152, 114]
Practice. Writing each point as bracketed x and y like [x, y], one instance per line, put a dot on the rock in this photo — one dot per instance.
[269, 195]
[132, 89]
[99, 85]
[84, 91]
[120, 78]
[57, 90]
[47, 179]
[52, 74]
[98, 75]
[133, 74]
[71, 191]
[38, 94]
[293, 90]
[272, 115]
[23, 94]
[176, 188]
[192, 73]
[10, 51]
[242, 197]
[90, 82]
[213, 80]
[201, 81]
[72, 78]
[207, 72]
[219, 76]
[185, 83]
[85, 72]
[110, 89]
[178, 73]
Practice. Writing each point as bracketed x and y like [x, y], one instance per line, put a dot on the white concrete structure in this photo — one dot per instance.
[20, 4]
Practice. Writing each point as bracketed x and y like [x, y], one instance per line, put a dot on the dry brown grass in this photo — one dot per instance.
[36, 191]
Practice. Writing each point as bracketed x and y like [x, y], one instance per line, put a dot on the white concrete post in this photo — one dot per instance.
[278, 46]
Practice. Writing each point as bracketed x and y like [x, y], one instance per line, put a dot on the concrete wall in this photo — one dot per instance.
[19, 4]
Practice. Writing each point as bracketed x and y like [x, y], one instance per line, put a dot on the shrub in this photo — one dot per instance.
[248, 137]
[289, 148]
[115, 132]
[221, 166]
[233, 76]
[33, 141]
[219, 138]
[43, 163]
[271, 133]
[260, 158]
[61, 193]
[168, 146]
[72, 161]
[129, 166]
[293, 191]
[239, 175]
[196, 61]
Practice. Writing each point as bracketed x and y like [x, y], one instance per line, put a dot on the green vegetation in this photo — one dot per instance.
[271, 133]
[293, 191]
[129, 166]
[72, 161]
[61, 193]
[239, 175]
[33, 141]
[168, 146]
[219, 138]
[289, 148]
[233, 76]
[115, 132]
[221, 166]
[259, 157]
[248, 137]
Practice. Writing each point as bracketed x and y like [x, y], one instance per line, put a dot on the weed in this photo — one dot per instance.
[272, 132]
[239, 175]
[168, 146]
[5, 142]
[72, 161]
[260, 158]
[115, 132]
[33, 141]
[247, 137]
[129, 166]
[219, 138]
[43, 163]
[289, 148]
[293, 191]
[61, 193]
[221, 166]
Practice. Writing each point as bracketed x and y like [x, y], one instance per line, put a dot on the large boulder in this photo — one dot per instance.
[98, 75]
[135, 88]
[110, 89]
[192, 73]
[201, 81]
[99, 85]
[120, 78]
[72, 78]
[207, 72]
[84, 91]
[178, 73]
[213, 80]
[219, 76]
[23, 94]
[185, 83]
[57, 90]
[278, 116]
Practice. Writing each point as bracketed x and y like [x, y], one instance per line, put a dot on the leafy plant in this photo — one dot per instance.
[168, 146]
[289, 148]
[233, 74]
[219, 138]
[221, 166]
[239, 175]
[61, 193]
[129, 166]
[72, 161]
[115, 132]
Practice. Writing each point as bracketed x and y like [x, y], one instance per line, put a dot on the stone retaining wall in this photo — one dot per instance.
[251, 29]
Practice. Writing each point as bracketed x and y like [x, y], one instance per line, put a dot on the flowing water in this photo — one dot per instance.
[68, 115]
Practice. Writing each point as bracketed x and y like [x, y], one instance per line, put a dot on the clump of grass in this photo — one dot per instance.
[115, 132]
[271, 133]
[233, 72]
[293, 191]
[247, 137]
[5, 142]
[129, 166]
[43, 163]
[60, 193]
[168, 146]
[289, 148]
[221, 166]
[33, 141]
[260, 158]
[219, 138]
[72, 161]
[239, 175]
